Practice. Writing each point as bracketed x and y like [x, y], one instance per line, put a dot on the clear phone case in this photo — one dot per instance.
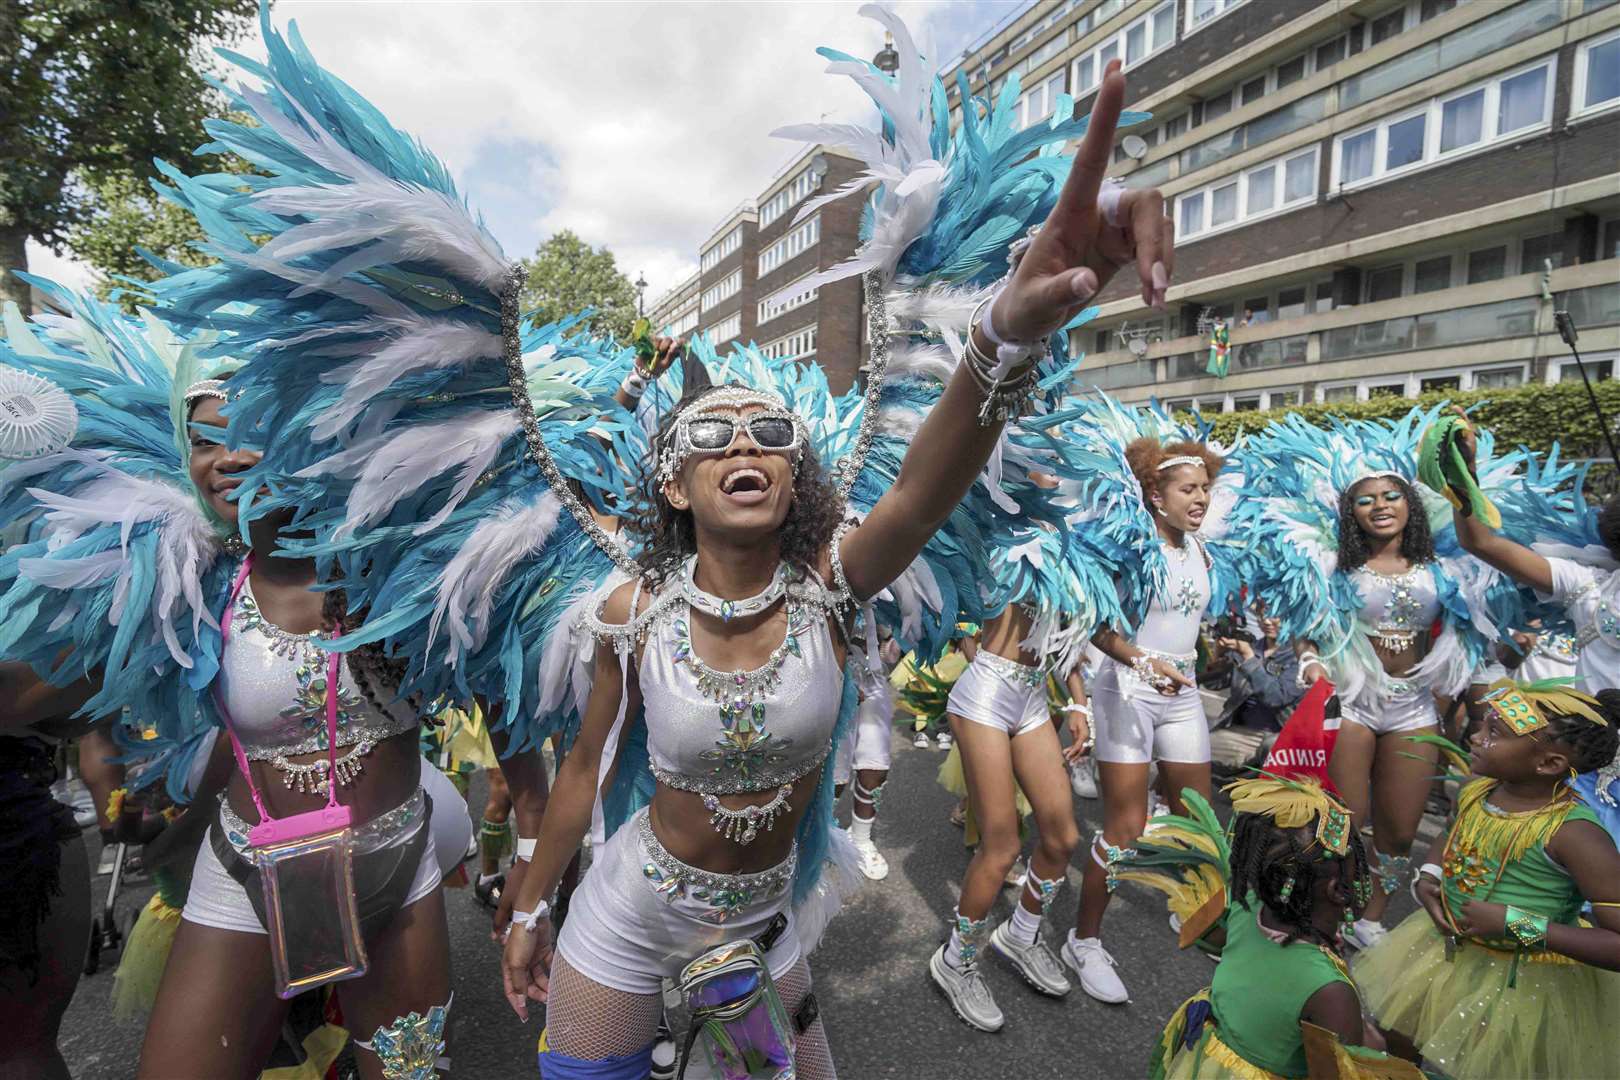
[310, 911]
[744, 1028]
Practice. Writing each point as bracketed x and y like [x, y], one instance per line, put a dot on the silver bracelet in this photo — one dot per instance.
[1143, 667]
[1005, 382]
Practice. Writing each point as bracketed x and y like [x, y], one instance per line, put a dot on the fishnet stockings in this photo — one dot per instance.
[587, 1020]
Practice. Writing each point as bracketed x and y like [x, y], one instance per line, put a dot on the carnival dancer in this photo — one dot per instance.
[1377, 597]
[1153, 501]
[1271, 897]
[1497, 975]
[741, 521]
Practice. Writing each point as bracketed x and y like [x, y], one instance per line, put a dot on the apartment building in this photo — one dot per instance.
[1377, 196]
[747, 268]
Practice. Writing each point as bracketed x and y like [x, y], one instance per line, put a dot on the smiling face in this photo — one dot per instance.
[1183, 496]
[215, 471]
[1380, 507]
[739, 488]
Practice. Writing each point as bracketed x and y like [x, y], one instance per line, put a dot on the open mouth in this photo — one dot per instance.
[746, 486]
[1381, 520]
[225, 487]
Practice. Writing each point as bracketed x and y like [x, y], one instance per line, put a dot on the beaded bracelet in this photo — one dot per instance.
[1528, 928]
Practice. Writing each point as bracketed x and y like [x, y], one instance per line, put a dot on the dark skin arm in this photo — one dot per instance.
[525, 775]
[1515, 560]
[1589, 855]
[1337, 1008]
[31, 700]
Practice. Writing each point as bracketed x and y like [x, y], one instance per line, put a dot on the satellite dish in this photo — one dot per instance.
[1138, 346]
[818, 165]
[37, 417]
[1134, 146]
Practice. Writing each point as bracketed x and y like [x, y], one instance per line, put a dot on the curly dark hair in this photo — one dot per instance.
[1265, 858]
[668, 535]
[1591, 746]
[1417, 544]
[1609, 525]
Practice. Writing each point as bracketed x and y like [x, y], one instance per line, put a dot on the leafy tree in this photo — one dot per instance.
[567, 275]
[90, 92]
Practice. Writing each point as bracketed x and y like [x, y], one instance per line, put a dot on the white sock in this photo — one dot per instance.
[485, 879]
[860, 829]
[1024, 925]
[953, 950]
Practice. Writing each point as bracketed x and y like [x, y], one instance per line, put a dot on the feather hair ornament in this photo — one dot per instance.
[1294, 804]
[1528, 707]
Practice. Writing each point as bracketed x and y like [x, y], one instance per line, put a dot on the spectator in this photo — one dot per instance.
[1265, 680]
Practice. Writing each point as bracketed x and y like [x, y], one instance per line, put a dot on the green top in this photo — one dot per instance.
[1485, 840]
[1260, 988]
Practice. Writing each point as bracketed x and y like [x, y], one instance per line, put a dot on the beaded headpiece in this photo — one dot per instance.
[676, 448]
[1293, 804]
[1180, 459]
[205, 388]
[1377, 474]
[1525, 707]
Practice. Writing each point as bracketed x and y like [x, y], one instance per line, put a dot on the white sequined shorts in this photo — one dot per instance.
[1410, 707]
[1134, 724]
[641, 915]
[867, 745]
[1000, 693]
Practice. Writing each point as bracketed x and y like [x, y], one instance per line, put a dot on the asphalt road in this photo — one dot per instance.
[884, 1016]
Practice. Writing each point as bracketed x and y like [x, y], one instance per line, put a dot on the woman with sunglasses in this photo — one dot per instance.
[1354, 563]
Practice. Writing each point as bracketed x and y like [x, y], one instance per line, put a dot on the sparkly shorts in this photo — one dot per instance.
[1135, 724]
[1000, 693]
[641, 915]
[1410, 706]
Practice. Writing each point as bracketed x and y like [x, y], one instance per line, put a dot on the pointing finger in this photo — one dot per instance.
[1096, 149]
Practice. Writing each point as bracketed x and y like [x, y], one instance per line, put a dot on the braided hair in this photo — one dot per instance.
[1591, 746]
[1417, 543]
[1265, 858]
[369, 664]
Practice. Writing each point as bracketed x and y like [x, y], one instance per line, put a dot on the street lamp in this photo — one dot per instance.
[887, 61]
[641, 291]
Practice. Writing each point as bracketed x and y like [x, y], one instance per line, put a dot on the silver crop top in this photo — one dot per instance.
[722, 732]
[1396, 608]
[273, 684]
[1171, 623]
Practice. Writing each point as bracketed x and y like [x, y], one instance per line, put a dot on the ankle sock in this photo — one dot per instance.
[860, 829]
[1024, 925]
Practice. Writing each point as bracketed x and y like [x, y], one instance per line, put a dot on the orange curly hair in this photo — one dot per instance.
[1146, 455]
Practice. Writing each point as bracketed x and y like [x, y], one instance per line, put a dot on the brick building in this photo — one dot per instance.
[1380, 184]
[747, 266]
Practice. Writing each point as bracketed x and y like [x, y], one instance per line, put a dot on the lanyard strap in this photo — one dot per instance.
[332, 662]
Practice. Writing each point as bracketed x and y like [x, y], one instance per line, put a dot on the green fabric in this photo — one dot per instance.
[1441, 466]
[1260, 989]
[1534, 883]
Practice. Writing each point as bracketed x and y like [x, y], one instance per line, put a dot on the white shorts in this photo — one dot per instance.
[867, 747]
[1134, 724]
[1410, 707]
[640, 915]
[217, 900]
[1000, 693]
[452, 824]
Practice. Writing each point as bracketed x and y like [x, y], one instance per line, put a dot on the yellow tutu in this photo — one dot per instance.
[146, 954]
[953, 780]
[1556, 1021]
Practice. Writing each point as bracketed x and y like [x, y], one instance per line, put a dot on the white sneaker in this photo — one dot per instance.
[1157, 807]
[1017, 875]
[966, 990]
[1083, 778]
[944, 741]
[873, 864]
[920, 740]
[1095, 968]
[1365, 933]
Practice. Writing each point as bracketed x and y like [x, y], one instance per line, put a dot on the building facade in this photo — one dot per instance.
[1375, 196]
[748, 266]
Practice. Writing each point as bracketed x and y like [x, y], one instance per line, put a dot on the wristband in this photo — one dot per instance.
[1528, 928]
[634, 384]
[1434, 871]
[1076, 707]
[525, 847]
[530, 919]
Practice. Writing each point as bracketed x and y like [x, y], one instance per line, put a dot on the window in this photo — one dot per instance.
[726, 289]
[1387, 26]
[1331, 53]
[1217, 106]
[1291, 71]
[1256, 193]
[726, 329]
[1537, 249]
[801, 239]
[1276, 399]
[1105, 341]
[1339, 393]
[1385, 283]
[1432, 275]
[1256, 310]
[1038, 104]
[1253, 90]
[1200, 13]
[684, 323]
[1498, 378]
[1439, 382]
[1597, 76]
[1136, 42]
[799, 345]
[1602, 369]
[1611, 241]
[1085, 73]
[785, 300]
[1431, 8]
[1386, 390]
[1489, 264]
[1491, 111]
[717, 254]
[1291, 303]
[1249, 403]
[790, 196]
[1323, 291]
[1176, 125]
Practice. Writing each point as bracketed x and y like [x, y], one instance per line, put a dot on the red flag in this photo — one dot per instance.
[1306, 742]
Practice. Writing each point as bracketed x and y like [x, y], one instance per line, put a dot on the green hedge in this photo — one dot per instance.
[1535, 416]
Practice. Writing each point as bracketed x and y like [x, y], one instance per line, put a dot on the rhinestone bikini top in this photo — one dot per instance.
[1397, 607]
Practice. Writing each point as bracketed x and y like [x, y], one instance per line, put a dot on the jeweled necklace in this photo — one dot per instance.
[1187, 599]
[726, 610]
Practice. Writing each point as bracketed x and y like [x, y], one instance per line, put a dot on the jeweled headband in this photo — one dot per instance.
[205, 388]
[1379, 474]
[1183, 459]
[670, 457]
[1526, 707]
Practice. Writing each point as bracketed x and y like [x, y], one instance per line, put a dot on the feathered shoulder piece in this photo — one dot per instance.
[1297, 474]
[1112, 518]
[440, 454]
[1188, 858]
[1294, 804]
[121, 572]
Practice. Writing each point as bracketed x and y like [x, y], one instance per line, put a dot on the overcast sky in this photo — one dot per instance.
[637, 125]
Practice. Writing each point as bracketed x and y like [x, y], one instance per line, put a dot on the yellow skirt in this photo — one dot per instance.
[146, 955]
[1208, 1059]
[954, 780]
[1558, 1020]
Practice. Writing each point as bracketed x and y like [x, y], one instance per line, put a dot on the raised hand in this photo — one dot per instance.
[1079, 250]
